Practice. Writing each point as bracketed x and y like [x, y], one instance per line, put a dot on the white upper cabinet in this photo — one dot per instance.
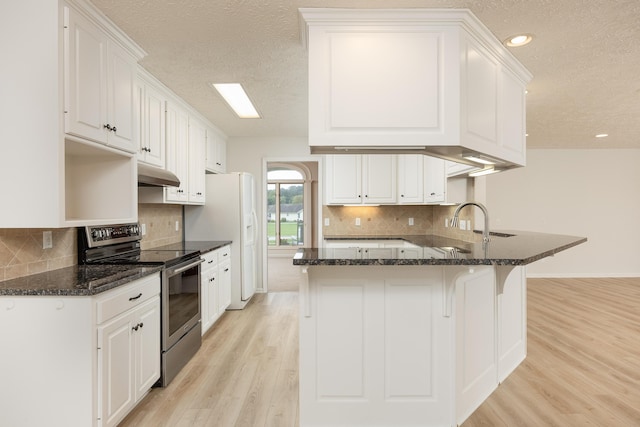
[101, 85]
[177, 152]
[410, 179]
[197, 153]
[435, 180]
[152, 105]
[70, 75]
[216, 151]
[431, 80]
[361, 179]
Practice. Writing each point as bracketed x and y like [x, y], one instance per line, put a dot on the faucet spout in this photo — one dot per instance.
[485, 232]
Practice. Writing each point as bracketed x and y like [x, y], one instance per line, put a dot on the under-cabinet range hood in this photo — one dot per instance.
[149, 176]
[430, 81]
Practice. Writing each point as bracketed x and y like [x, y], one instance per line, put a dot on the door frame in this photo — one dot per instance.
[320, 197]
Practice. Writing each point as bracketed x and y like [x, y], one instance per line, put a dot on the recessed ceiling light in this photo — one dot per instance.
[602, 135]
[237, 98]
[518, 40]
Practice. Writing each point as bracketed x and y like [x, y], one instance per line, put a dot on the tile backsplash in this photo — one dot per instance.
[393, 220]
[160, 224]
[21, 252]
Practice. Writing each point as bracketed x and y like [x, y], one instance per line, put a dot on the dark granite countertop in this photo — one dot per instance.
[78, 280]
[194, 245]
[505, 248]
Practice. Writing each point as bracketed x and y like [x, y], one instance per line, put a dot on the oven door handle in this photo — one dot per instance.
[187, 267]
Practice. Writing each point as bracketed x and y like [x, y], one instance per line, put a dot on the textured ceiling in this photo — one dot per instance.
[585, 60]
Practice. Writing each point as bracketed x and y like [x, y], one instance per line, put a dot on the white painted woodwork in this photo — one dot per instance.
[476, 358]
[435, 180]
[216, 151]
[177, 152]
[362, 359]
[360, 179]
[77, 367]
[410, 179]
[379, 179]
[101, 79]
[128, 347]
[215, 285]
[197, 160]
[512, 322]
[404, 345]
[343, 179]
[432, 80]
[43, 189]
[152, 147]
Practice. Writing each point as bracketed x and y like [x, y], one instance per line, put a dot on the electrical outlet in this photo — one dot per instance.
[446, 223]
[326, 222]
[410, 221]
[47, 240]
[143, 229]
[358, 221]
[463, 224]
[177, 225]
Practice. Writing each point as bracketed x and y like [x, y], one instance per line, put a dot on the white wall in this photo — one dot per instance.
[590, 193]
[247, 154]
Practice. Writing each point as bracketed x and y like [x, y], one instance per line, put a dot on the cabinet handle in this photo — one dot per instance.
[219, 164]
[107, 126]
[114, 129]
[226, 269]
[402, 195]
[359, 196]
[212, 279]
[433, 194]
[135, 328]
[141, 324]
[210, 262]
[136, 297]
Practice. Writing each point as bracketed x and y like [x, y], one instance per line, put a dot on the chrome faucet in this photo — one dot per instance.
[485, 232]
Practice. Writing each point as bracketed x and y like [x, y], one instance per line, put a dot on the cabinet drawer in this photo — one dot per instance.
[210, 260]
[224, 253]
[126, 297]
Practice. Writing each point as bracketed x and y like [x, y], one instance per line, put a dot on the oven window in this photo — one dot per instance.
[183, 298]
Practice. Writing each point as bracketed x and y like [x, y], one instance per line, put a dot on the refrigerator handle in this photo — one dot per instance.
[255, 228]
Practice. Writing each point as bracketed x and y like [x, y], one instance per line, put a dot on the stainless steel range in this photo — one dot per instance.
[180, 286]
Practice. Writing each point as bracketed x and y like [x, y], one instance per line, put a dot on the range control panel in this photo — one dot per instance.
[110, 234]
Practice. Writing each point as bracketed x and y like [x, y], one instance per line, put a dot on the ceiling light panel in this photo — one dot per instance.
[238, 100]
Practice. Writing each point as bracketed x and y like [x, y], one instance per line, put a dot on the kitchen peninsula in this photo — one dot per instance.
[412, 330]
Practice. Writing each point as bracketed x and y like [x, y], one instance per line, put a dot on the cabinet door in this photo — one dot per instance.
[475, 320]
[152, 145]
[147, 345]
[344, 179]
[379, 178]
[435, 180]
[216, 152]
[224, 273]
[410, 178]
[177, 139]
[86, 88]
[115, 362]
[121, 84]
[197, 152]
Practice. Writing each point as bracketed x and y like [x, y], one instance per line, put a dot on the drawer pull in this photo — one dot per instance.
[226, 269]
[136, 297]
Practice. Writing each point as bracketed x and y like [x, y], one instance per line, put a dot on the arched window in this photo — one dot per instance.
[285, 205]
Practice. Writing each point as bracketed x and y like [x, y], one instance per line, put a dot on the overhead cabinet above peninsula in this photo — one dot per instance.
[428, 81]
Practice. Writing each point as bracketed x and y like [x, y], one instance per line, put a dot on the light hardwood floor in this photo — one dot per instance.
[582, 368]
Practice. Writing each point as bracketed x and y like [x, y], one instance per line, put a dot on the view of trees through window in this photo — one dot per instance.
[285, 208]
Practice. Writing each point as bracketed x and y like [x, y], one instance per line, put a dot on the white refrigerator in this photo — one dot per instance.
[229, 214]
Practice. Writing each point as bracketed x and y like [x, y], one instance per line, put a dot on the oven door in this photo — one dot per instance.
[180, 301]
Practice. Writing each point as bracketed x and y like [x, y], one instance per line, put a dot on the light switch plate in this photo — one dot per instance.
[357, 221]
[326, 222]
[47, 240]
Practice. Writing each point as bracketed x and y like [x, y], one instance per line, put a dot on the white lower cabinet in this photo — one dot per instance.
[406, 345]
[128, 359]
[216, 285]
[85, 360]
[128, 348]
